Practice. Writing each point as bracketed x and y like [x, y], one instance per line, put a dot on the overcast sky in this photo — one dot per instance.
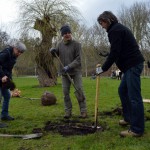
[90, 9]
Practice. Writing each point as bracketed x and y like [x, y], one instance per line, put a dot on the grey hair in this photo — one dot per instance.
[17, 44]
[107, 16]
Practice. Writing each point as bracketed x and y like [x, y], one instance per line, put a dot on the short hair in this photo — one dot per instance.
[20, 46]
[107, 16]
[17, 44]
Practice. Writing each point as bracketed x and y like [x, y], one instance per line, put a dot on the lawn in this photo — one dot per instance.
[30, 114]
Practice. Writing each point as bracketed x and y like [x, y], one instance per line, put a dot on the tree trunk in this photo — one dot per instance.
[44, 79]
[47, 73]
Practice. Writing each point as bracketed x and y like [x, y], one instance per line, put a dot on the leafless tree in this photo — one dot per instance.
[93, 40]
[100, 42]
[4, 37]
[137, 19]
[46, 17]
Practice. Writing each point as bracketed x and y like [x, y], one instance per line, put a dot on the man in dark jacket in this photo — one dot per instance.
[8, 58]
[124, 51]
[69, 52]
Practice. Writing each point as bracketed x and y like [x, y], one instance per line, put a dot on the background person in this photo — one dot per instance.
[125, 53]
[8, 58]
[69, 52]
[118, 74]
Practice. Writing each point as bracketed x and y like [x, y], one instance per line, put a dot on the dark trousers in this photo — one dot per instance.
[131, 99]
[6, 98]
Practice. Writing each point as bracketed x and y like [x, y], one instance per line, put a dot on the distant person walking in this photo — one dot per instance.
[118, 74]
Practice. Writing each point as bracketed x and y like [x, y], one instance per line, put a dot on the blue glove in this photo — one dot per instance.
[66, 69]
[53, 51]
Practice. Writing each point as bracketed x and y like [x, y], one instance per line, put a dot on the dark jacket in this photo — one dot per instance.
[70, 55]
[7, 61]
[124, 50]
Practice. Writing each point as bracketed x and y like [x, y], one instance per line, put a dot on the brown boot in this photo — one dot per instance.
[67, 115]
[129, 133]
[83, 115]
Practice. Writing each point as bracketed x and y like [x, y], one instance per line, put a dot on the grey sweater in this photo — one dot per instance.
[70, 55]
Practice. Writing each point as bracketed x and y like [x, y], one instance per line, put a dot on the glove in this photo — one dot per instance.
[66, 69]
[99, 70]
[53, 51]
[9, 84]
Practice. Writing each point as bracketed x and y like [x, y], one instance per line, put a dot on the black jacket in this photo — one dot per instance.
[7, 61]
[124, 50]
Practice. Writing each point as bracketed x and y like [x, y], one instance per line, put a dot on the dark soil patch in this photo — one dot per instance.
[114, 111]
[74, 126]
[118, 111]
[69, 127]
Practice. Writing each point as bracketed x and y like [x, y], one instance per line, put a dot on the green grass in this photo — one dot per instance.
[31, 114]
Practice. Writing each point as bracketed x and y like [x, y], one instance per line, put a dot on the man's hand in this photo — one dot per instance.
[4, 79]
[66, 69]
[99, 70]
[9, 84]
[53, 51]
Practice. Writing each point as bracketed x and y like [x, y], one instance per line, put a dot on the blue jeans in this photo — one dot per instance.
[6, 98]
[131, 99]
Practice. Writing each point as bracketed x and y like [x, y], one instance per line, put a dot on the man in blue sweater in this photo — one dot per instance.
[125, 53]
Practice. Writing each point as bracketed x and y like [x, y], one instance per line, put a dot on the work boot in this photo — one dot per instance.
[83, 115]
[67, 115]
[129, 133]
[2, 125]
[7, 118]
[123, 123]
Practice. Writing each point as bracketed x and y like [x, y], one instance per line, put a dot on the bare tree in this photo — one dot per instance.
[4, 37]
[137, 19]
[100, 42]
[46, 16]
[94, 40]
[25, 64]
